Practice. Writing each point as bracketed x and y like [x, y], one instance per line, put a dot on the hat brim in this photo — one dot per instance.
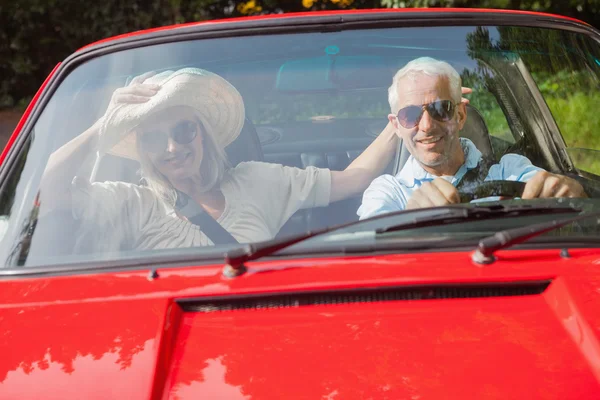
[215, 101]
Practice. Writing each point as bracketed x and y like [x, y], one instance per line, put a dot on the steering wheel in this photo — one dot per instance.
[510, 189]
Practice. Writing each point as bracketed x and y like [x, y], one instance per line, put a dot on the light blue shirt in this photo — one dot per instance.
[391, 193]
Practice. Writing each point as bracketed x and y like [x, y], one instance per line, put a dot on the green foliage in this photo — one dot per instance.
[570, 90]
[37, 34]
[579, 121]
[586, 161]
[573, 99]
[578, 118]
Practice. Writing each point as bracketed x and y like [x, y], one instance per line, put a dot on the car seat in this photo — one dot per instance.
[246, 147]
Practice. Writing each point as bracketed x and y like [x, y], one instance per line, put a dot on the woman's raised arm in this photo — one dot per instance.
[55, 188]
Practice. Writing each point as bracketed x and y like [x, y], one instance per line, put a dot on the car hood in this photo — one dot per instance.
[396, 326]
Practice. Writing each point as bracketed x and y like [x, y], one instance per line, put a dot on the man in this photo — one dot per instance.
[427, 113]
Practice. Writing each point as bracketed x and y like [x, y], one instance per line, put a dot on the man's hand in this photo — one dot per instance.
[547, 185]
[438, 192]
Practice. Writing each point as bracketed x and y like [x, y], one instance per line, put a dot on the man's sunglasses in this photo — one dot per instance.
[155, 141]
[441, 110]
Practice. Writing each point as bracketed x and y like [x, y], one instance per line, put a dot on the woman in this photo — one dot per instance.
[177, 125]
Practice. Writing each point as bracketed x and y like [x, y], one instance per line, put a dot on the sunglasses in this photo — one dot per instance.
[184, 132]
[441, 110]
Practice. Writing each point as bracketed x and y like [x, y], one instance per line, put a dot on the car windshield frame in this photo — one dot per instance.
[274, 27]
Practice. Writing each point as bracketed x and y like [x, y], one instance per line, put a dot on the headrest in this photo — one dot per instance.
[476, 130]
[246, 147]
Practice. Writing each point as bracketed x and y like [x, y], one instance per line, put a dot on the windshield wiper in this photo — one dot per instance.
[484, 254]
[235, 259]
[464, 214]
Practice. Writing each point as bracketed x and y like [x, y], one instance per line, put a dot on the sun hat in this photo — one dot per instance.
[217, 103]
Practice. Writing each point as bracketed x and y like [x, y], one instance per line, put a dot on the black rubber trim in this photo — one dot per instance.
[260, 302]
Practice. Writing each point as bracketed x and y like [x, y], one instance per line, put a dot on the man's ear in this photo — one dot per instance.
[461, 112]
[392, 118]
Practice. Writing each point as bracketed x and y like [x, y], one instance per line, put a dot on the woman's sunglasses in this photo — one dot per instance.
[157, 141]
[441, 110]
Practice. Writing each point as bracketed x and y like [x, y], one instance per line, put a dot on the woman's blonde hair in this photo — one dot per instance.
[213, 167]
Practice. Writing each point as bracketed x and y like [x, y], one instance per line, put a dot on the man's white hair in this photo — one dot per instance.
[428, 66]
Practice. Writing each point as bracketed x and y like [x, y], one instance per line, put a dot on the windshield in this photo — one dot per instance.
[206, 144]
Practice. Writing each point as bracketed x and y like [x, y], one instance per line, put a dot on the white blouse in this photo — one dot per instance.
[259, 199]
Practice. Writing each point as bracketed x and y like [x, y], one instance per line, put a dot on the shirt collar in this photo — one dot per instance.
[413, 171]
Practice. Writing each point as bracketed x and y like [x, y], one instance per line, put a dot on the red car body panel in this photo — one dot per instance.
[126, 335]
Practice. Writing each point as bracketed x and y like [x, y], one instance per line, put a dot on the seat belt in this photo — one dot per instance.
[198, 216]
[477, 175]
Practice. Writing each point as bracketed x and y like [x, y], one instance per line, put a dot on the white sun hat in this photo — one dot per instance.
[217, 103]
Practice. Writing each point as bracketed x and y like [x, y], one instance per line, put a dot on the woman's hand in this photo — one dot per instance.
[465, 90]
[65, 162]
[136, 92]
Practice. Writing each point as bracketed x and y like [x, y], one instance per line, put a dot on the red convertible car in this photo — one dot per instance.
[125, 275]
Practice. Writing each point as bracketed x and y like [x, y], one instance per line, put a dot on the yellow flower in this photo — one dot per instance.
[342, 3]
[308, 3]
[249, 7]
